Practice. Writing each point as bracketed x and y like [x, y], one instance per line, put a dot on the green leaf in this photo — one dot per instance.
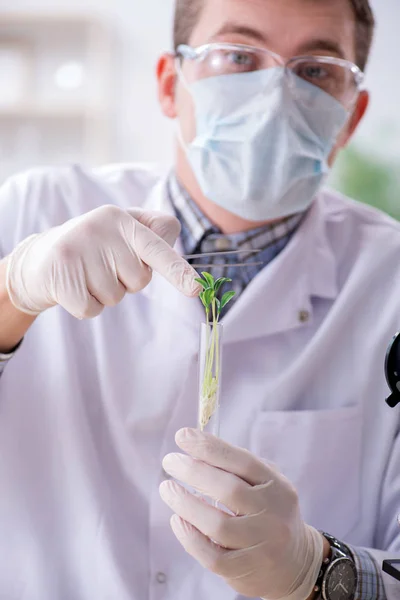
[202, 298]
[209, 278]
[220, 282]
[208, 297]
[227, 298]
[203, 283]
[218, 303]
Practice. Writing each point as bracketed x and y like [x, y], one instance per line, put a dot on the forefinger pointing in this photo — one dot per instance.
[160, 257]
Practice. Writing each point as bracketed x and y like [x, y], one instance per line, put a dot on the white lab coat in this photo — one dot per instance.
[88, 409]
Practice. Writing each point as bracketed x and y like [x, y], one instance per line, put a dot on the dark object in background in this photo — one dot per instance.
[389, 567]
[392, 371]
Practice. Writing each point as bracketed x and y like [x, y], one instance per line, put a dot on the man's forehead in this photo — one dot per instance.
[288, 27]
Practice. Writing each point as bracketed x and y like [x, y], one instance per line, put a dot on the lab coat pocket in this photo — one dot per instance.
[320, 453]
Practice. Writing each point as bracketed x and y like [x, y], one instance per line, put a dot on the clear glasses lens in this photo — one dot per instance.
[231, 61]
[228, 60]
[338, 79]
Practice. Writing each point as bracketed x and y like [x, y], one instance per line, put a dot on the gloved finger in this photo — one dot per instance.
[102, 278]
[92, 266]
[110, 294]
[165, 226]
[218, 453]
[86, 308]
[235, 566]
[226, 530]
[159, 256]
[227, 489]
[72, 294]
[200, 547]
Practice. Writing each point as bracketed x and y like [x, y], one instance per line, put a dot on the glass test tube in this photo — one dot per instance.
[210, 373]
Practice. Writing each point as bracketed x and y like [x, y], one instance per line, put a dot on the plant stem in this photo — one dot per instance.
[209, 394]
[215, 331]
[217, 353]
[207, 353]
[211, 369]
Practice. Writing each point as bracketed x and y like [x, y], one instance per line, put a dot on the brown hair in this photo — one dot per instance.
[187, 13]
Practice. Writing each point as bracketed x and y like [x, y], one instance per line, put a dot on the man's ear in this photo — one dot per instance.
[166, 78]
[355, 119]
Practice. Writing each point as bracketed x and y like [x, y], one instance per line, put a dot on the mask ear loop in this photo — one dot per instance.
[180, 74]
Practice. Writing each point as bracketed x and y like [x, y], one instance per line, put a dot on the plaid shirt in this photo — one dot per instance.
[4, 358]
[370, 580]
[199, 235]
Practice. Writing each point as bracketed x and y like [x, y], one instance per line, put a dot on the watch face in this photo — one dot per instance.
[340, 581]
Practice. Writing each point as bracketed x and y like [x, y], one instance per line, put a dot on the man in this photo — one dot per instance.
[265, 94]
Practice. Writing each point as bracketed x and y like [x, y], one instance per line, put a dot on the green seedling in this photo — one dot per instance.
[213, 308]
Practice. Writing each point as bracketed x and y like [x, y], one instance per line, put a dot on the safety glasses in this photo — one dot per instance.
[339, 78]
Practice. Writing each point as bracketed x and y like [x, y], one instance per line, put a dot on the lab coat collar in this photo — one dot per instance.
[280, 296]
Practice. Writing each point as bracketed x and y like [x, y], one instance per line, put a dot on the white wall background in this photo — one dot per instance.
[142, 29]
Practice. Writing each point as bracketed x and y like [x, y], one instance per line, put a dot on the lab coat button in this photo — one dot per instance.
[161, 577]
[304, 316]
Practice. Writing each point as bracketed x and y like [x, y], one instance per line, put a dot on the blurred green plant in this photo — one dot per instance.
[369, 179]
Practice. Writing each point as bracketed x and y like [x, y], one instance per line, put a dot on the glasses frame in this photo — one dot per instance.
[200, 52]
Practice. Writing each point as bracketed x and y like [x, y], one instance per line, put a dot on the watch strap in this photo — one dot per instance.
[339, 550]
[334, 543]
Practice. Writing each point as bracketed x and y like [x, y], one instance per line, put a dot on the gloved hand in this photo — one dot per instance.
[92, 261]
[266, 550]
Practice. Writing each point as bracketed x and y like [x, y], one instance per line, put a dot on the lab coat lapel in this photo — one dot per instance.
[280, 297]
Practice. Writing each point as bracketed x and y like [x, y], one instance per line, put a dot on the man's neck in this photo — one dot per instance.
[226, 222]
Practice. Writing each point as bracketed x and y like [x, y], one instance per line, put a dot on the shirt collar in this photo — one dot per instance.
[197, 228]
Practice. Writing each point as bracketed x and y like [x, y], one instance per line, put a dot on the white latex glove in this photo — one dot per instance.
[266, 550]
[92, 261]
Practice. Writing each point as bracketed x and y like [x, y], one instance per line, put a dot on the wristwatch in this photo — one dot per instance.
[338, 577]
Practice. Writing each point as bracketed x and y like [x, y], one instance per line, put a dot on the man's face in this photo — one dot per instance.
[287, 27]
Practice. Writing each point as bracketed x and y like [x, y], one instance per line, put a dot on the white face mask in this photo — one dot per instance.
[262, 141]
